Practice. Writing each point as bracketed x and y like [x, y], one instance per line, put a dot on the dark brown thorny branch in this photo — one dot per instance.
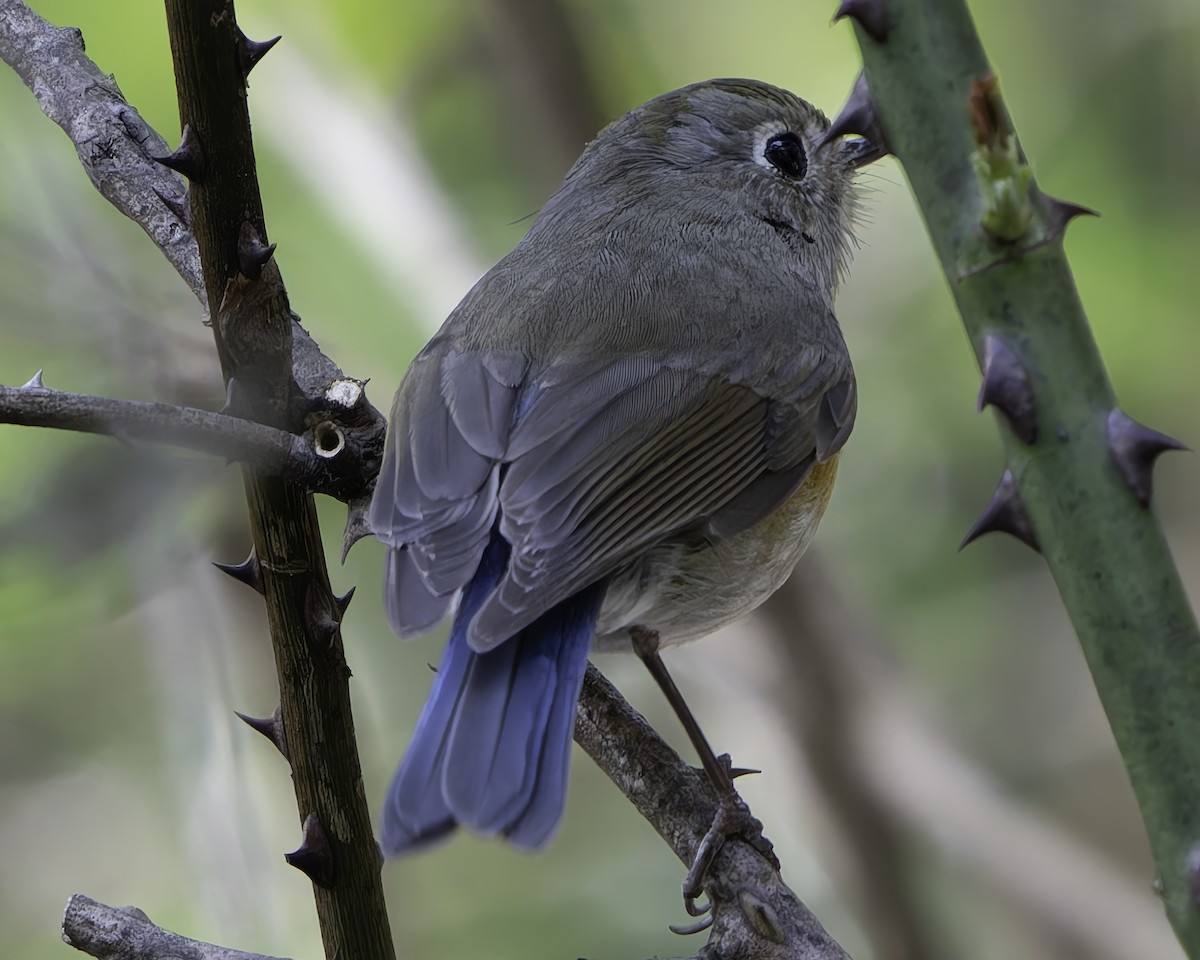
[754, 913]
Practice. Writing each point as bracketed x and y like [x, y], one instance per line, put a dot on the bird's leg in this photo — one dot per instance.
[733, 817]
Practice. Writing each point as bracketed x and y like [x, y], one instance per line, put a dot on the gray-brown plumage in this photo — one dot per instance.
[628, 404]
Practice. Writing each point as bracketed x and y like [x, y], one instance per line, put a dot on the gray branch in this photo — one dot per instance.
[186, 427]
[126, 933]
[754, 913]
[323, 459]
[115, 145]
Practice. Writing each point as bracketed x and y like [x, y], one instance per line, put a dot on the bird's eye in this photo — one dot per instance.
[785, 153]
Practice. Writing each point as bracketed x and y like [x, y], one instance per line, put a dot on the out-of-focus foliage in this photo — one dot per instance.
[123, 654]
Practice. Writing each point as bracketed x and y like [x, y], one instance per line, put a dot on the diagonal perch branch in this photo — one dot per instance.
[754, 912]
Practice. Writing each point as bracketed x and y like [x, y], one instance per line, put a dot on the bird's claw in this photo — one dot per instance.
[733, 819]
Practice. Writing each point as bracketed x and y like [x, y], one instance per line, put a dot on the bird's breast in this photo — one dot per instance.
[685, 591]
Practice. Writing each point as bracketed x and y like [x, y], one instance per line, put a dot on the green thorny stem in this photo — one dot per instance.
[1078, 479]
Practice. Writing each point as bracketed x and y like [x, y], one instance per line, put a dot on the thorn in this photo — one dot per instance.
[251, 51]
[870, 14]
[253, 252]
[1006, 387]
[726, 761]
[317, 609]
[188, 158]
[357, 525]
[270, 727]
[313, 857]
[1005, 514]
[344, 600]
[860, 117]
[176, 203]
[1059, 213]
[1134, 448]
[324, 627]
[249, 572]
[35, 384]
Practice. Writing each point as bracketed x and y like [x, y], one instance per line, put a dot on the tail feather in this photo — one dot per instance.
[538, 822]
[492, 746]
[491, 766]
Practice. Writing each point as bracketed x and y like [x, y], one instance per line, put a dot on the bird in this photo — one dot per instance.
[623, 437]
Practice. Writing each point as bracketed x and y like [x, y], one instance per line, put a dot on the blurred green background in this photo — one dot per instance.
[401, 147]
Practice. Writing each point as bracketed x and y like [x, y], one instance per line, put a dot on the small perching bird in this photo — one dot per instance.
[627, 430]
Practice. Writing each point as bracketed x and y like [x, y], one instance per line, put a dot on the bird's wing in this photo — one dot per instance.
[435, 498]
[587, 465]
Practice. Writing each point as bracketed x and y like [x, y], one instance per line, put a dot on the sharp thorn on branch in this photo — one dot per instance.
[1006, 386]
[188, 159]
[324, 628]
[253, 251]
[1059, 213]
[357, 525]
[1005, 513]
[313, 857]
[251, 51]
[249, 571]
[859, 117]
[270, 727]
[1134, 448]
[319, 608]
[871, 15]
[35, 384]
[176, 203]
[344, 600]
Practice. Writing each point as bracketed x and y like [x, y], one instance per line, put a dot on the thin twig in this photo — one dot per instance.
[187, 427]
[126, 933]
[326, 458]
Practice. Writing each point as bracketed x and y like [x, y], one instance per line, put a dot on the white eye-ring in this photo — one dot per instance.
[780, 150]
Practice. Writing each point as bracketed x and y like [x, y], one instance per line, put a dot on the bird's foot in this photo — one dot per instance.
[733, 819]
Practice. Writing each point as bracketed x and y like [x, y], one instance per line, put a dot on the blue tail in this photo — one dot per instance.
[491, 749]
